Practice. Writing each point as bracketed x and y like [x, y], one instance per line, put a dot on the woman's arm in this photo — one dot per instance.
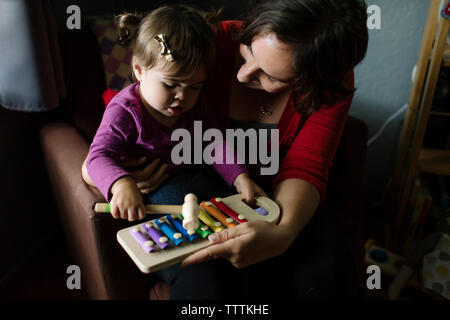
[298, 201]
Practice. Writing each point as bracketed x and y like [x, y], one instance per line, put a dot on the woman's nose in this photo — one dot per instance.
[247, 72]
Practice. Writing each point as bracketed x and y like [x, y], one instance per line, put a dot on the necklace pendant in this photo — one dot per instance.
[264, 112]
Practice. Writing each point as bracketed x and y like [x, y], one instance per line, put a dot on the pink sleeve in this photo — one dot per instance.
[114, 134]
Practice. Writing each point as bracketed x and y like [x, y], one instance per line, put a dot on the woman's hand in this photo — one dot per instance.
[248, 188]
[245, 244]
[150, 178]
[147, 180]
[126, 201]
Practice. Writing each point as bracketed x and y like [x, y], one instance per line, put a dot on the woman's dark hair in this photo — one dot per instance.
[329, 38]
[189, 33]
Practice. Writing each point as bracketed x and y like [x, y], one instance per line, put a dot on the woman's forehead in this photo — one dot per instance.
[274, 57]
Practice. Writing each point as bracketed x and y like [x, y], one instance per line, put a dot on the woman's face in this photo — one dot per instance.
[268, 64]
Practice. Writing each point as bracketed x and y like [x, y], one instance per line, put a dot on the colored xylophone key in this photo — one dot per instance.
[202, 230]
[176, 237]
[227, 210]
[178, 224]
[161, 241]
[143, 241]
[215, 226]
[212, 210]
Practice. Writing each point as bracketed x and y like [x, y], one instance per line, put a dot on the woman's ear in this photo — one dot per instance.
[138, 70]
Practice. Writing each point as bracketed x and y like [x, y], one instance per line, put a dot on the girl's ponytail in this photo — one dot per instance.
[127, 24]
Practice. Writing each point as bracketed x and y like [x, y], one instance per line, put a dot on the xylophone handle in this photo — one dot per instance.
[150, 208]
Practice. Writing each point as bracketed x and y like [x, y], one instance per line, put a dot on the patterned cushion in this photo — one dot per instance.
[116, 58]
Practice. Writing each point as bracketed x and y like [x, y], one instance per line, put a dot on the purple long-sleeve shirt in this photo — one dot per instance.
[127, 129]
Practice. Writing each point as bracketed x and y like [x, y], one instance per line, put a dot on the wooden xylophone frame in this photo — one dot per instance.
[156, 260]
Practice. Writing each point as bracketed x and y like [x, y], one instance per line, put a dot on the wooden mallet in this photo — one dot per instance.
[190, 210]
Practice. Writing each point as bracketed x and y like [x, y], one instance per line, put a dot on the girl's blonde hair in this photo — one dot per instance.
[189, 33]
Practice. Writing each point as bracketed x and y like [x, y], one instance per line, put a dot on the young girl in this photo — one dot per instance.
[173, 51]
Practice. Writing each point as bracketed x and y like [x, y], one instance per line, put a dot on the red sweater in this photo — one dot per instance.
[307, 144]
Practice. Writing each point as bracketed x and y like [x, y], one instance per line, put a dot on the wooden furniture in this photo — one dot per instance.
[412, 157]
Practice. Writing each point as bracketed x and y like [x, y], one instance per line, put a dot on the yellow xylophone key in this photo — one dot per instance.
[215, 226]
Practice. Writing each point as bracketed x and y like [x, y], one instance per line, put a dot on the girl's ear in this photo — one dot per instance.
[138, 70]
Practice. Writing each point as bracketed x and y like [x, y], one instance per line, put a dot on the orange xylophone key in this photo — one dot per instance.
[208, 206]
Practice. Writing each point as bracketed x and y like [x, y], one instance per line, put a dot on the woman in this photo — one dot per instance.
[290, 67]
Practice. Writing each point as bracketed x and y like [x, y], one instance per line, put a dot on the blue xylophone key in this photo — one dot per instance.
[169, 231]
[178, 224]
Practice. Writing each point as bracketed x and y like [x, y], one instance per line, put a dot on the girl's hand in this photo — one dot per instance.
[245, 244]
[248, 188]
[126, 202]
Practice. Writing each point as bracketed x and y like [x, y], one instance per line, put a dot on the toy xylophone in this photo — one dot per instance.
[165, 241]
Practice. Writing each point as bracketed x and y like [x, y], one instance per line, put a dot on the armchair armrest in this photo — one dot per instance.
[107, 272]
[64, 151]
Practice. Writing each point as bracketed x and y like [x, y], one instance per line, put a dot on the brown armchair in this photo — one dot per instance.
[107, 271]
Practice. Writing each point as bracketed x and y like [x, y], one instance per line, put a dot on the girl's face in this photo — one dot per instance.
[268, 64]
[168, 95]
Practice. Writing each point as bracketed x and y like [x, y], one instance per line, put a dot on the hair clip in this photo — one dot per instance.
[165, 49]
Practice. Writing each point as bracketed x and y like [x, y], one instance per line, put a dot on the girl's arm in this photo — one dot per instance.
[85, 174]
